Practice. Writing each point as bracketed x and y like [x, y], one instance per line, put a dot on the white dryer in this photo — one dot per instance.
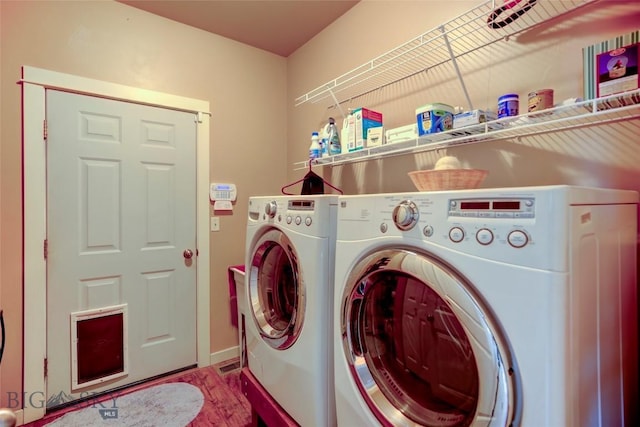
[289, 278]
[492, 307]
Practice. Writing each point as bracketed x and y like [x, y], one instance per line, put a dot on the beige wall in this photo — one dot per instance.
[257, 132]
[109, 41]
[549, 56]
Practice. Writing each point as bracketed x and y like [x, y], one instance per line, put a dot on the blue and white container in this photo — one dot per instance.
[314, 148]
[432, 118]
[508, 105]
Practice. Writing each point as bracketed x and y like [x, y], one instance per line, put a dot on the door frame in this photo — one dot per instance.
[35, 82]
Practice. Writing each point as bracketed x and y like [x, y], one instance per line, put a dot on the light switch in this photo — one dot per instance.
[215, 223]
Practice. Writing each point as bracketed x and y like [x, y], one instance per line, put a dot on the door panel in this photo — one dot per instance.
[121, 189]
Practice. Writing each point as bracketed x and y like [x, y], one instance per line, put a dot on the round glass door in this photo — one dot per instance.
[420, 347]
[276, 295]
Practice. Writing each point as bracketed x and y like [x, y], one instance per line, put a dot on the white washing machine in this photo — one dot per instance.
[496, 307]
[289, 277]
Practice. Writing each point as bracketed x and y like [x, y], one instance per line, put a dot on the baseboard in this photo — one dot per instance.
[226, 354]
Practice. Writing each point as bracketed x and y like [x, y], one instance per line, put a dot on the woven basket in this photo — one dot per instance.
[448, 179]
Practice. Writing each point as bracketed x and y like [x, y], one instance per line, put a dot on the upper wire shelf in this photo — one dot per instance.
[600, 111]
[459, 36]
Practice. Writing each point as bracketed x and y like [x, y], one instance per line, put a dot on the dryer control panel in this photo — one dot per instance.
[492, 208]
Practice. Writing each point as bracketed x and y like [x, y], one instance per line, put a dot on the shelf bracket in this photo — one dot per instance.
[455, 65]
[337, 103]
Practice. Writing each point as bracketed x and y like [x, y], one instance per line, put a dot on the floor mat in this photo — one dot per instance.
[170, 405]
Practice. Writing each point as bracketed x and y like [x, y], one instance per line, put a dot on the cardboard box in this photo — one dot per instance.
[363, 120]
[473, 117]
[350, 142]
[594, 85]
[402, 133]
[375, 137]
[344, 136]
[617, 70]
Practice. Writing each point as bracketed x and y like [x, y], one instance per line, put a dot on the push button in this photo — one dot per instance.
[518, 239]
[456, 234]
[484, 236]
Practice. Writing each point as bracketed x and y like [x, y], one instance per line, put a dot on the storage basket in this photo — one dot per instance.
[448, 179]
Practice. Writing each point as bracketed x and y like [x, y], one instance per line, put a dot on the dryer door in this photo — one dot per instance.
[421, 347]
[276, 295]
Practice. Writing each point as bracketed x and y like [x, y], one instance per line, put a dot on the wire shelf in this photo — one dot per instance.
[596, 112]
[459, 36]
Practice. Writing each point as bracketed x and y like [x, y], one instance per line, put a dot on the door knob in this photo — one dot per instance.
[187, 254]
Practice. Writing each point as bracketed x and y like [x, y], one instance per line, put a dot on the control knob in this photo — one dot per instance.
[406, 215]
[270, 209]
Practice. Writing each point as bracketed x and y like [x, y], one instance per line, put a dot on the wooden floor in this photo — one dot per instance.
[224, 404]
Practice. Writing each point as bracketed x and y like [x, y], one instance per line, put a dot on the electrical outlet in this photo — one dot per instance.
[215, 223]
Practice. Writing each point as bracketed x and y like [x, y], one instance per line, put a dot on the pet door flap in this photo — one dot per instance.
[98, 345]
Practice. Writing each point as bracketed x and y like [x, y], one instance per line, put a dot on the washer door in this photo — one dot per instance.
[276, 293]
[420, 348]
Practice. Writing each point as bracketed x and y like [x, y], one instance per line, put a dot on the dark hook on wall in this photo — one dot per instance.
[2, 331]
[509, 4]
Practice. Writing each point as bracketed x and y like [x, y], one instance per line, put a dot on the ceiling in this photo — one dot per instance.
[278, 26]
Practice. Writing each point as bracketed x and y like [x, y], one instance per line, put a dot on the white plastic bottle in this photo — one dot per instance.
[314, 148]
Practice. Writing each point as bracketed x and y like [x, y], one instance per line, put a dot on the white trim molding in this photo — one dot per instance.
[224, 355]
[34, 82]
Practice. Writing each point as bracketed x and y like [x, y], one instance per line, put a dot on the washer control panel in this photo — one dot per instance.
[492, 208]
[520, 225]
[313, 215]
[296, 212]
[498, 208]
[479, 222]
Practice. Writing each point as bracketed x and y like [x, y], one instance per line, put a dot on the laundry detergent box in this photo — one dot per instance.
[474, 117]
[363, 120]
[375, 137]
[618, 70]
[401, 134]
[611, 66]
[432, 118]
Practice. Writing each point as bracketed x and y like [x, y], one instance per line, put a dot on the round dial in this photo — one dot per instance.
[270, 209]
[406, 215]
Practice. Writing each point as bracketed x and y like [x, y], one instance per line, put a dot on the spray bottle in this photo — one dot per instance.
[334, 138]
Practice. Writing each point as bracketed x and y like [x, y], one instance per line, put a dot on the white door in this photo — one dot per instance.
[121, 199]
